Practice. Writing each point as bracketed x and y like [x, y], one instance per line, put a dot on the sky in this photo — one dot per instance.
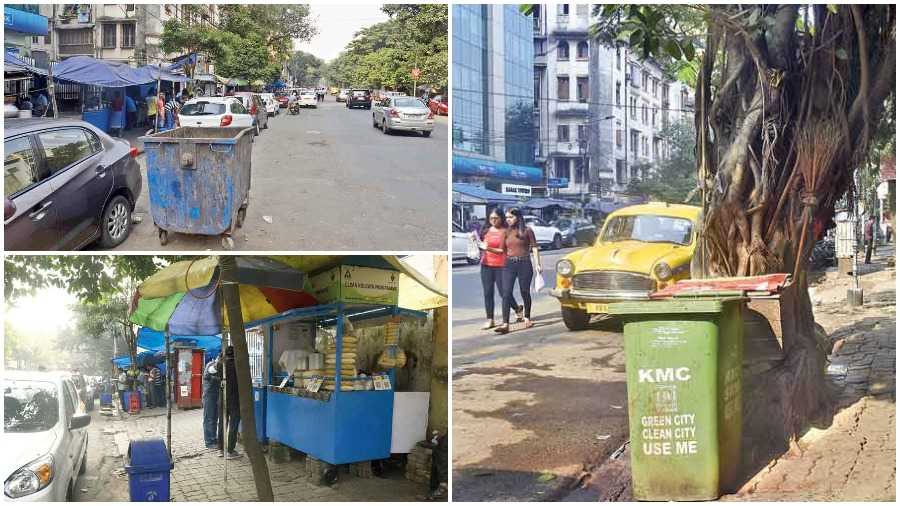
[337, 23]
[30, 314]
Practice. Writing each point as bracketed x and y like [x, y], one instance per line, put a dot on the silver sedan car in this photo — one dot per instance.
[402, 113]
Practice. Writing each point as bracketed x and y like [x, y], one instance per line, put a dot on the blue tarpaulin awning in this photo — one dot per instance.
[464, 166]
[87, 70]
[160, 72]
[13, 64]
[151, 347]
[480, 195]
[188, 59]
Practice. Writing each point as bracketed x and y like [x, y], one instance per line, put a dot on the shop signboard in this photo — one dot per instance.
[558, 182]
[356, 285]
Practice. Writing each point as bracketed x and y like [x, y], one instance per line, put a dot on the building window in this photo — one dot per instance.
[562, 51]
[109, 36]
[580, 172]
[581, 88]
[582, 50]
[34, 39]
[562, 9]
[620, 171]
[582, 133]
[645, 78]
[562, 133]
[128, 35]
[562, 167]
[656, 151]
[644, 114]
[618, 58]
[619, 138]
[633, 106]
[562, 87]
[655, 87]
[654, 116]
[665, 95]
[618, 93]
[129, 7]
[539, 47]
[634, 142]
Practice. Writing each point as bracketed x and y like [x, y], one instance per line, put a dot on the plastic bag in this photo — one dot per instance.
[472, 250]
[537, 281]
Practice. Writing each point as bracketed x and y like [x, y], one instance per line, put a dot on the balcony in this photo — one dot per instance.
[540, 59]
[572, 109]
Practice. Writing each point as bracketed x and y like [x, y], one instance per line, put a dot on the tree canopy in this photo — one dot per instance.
[250, 42]
[674, 178]
[383, 55]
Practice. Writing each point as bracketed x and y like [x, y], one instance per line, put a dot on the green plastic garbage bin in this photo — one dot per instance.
[683, 366]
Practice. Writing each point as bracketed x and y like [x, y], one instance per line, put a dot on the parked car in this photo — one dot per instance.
[641, 249]
[271, 103]
[359, 98]
[283, 100]
[67, 184]
[576, 231]
[212, 112]
[308, 99]
[45, 437]
[461, 245]
[342, 95]
[403, 113]
[438, 105]
[547, 236]
[257, 109]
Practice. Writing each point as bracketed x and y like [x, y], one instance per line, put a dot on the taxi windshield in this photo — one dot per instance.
[648, 228]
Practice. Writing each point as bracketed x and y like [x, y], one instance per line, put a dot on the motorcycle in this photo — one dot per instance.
[294, 108]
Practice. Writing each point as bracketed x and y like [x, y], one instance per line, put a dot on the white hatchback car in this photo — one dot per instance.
[272, 105]
[402, 113]
[44, 436]
[212, 112]
[308, 99]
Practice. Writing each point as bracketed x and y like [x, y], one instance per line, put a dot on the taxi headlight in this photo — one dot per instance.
[565, 268]
[662, 271]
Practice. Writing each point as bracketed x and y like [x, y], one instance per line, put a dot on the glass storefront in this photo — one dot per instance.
[470, 78]
[518, 61]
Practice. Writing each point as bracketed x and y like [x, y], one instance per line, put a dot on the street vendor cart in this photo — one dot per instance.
[199, 180]
[344, 415]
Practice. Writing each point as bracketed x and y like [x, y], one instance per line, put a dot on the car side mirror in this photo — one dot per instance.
[80, 421]
[9, 209]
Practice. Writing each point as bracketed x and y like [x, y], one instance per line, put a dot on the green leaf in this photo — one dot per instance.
[841, 54]
[636, 37]
[624, 35]
[688, 49]
[832, 8]
[544, 478]
[673, 49]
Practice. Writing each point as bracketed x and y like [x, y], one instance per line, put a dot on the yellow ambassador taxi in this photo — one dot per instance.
[640, 250]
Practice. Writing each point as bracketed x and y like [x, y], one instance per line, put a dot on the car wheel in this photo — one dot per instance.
[116, 222]
[557, 242]
[384, 127]
[374, 121]
[426, 133]
[575, 319]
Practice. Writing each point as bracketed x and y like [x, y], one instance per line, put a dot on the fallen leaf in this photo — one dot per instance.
[546, 477]
[603, 437]
[615, 407]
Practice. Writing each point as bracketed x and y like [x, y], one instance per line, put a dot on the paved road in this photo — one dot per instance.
[535, 407]
[327, 180]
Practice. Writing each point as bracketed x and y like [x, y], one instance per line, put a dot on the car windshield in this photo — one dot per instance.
[203, 109]
[409, 102]
[648, 228]
[563, 223]
[29, 406]
[534, 221]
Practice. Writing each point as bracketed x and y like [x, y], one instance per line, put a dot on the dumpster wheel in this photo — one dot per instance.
[241, 215]
[163, 237]
[227, 242]
[329, 476]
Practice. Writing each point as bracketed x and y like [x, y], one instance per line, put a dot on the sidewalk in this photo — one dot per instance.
[200, 474]
[854, 459]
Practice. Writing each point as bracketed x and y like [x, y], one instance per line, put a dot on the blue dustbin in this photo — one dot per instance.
[106, 399]
[148, 470]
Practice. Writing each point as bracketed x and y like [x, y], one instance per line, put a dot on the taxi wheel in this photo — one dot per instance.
[575, 319]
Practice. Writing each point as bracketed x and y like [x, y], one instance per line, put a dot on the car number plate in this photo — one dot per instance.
[598, 308]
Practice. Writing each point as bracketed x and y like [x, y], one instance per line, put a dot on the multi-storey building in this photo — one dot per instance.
[493, 132]
[23, 26]
[126, 33]
[600, 110]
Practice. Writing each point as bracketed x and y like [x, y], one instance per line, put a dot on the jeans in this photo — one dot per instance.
[522, 271]
[210, 414]
[234, 419]
[122, 400]
[159, 397]
[491, 277]
[870, 244]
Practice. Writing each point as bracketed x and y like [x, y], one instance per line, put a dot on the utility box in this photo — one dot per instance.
[683, 367]
[356, 285]
[148, 469]
[188, 377]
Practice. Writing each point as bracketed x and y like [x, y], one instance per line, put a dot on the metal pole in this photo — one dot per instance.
[168, 395]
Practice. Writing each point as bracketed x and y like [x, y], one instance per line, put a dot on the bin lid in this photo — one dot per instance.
[147, 455]
[771, 283]
[686, 303]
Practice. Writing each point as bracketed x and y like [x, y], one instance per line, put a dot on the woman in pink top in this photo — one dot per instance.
[493, 262]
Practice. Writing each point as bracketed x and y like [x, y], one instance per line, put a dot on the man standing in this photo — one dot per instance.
[155, 378]
[130, 112]
[212, 380]
[40, 103]
[122, 385]
[232, 406]
[869, 234]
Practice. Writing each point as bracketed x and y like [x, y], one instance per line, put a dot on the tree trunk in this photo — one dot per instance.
[778, 137]
[232, 299]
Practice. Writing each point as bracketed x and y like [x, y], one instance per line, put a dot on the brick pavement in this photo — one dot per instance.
[200, 474]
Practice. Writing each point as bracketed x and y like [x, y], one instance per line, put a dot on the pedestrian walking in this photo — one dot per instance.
[117, 114]
[142, 385]
[172, 108]
[232, 405]
[493, 263]
[122, 386]
[519, 244]
[130, 112]
[156, 395]
[212, 381]
[869, 234]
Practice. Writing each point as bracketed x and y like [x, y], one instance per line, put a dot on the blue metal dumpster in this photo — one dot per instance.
[259, 412]
[106, 399]
[148, 470]
[199, 180]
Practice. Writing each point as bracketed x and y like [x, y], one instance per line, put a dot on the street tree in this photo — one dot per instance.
[674, 178]
[788, 99]
[305, 68]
